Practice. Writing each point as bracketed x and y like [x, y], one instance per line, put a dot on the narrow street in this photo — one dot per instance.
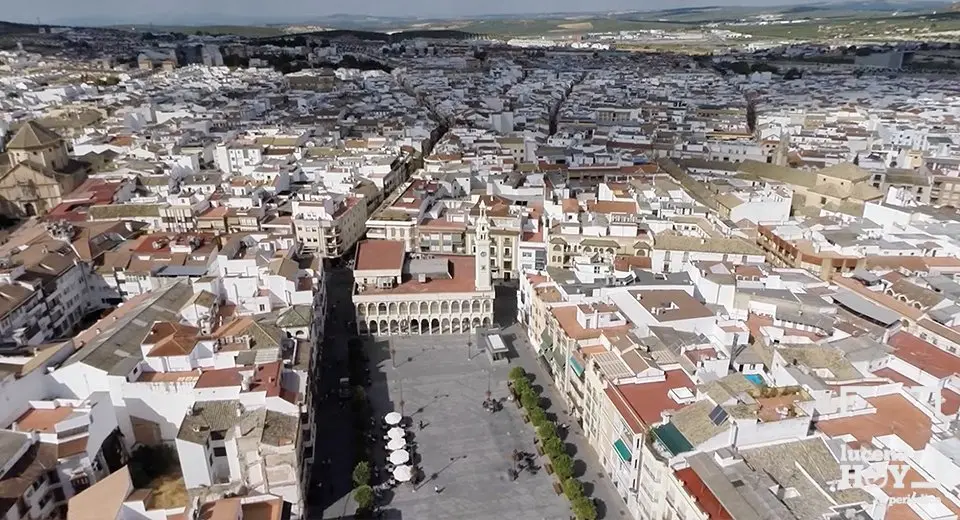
[334, 430]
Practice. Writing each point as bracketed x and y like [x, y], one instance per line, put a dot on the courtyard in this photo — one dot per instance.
[466, 448]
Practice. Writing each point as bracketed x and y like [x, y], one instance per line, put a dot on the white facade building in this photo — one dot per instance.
[398, 294]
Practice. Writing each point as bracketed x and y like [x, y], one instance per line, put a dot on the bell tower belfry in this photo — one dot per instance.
[482, 253]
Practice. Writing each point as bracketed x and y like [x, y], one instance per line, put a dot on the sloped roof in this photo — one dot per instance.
[102, 500]
[33, 135]
[779, 173]
[32, 465]
[846, 171]
[113, 345]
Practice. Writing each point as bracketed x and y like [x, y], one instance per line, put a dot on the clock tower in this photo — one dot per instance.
[482, 254]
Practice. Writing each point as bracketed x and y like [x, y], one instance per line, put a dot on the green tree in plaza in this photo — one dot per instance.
[573, 489]
[361, 474]
[537, 416]
[364, 497]
[517, 373]
[562, 466]
[553, 447]
[583, 509]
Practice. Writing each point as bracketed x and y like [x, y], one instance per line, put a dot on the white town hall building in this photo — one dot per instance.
[397, 293]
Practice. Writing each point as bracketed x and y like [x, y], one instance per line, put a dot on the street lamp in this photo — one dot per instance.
[393, 355]
[401, 396]
[488, 385]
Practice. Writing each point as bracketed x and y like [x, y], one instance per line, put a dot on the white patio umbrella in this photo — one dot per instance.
[403, 473]
[393, 418]
[400, 457]
[396, 444]
[396, 433]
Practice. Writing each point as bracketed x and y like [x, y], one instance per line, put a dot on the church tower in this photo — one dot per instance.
[482, 253]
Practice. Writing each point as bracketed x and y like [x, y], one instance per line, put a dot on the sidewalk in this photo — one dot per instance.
[594, 477]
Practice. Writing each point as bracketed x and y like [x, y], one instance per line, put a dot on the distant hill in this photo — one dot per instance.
[392, 29]
[393, 37]
[7, 28]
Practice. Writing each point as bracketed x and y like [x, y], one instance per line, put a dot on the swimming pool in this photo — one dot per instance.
[756, 379]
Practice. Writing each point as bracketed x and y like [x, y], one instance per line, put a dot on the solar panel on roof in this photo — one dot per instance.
[718, 415]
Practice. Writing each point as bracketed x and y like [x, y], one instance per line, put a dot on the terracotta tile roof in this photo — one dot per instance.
[219, 378]
[610, 206]
[942, 262]
[103, 499]
[223, 509]
[894, 415]
[266, 378]
[462, 280]
[642, 405]
[72, 447]
[168, 377]
[379, 255]
[171, 339]
[895, 376]
[701, 494]
[672, 305]
[924, 355]
[537, 279]
[265, 510]
[629, 262]
[950, 401]
[42, 419]
[567, 319]
[531, 236]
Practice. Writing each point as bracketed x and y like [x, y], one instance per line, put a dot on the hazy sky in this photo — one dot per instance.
[93, 12]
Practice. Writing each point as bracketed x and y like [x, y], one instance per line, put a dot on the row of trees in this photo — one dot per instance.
[552, 445]
[362, 492]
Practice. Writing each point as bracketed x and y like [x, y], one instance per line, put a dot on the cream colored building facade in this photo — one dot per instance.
[399, 294]
[330, 226]
[41, 172]
[393, 225]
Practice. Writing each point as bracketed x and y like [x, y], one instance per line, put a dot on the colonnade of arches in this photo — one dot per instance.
[424, 308]
[425, 317]
[415, 326]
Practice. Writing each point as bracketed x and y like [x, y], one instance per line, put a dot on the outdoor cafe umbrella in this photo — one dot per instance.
[396, 444]
[396, 433]
[393, 418]
[400, 457]
[403, 473]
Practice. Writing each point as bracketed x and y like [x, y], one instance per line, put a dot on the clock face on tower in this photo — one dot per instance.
[483, 254]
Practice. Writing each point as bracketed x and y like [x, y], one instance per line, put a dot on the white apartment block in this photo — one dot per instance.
[331, 225]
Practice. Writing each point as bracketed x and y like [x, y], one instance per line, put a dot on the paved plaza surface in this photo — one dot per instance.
[468, 448]
[587, 466]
